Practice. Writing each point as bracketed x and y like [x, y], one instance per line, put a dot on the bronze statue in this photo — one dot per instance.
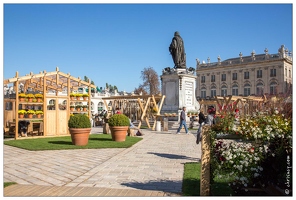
[177, 51]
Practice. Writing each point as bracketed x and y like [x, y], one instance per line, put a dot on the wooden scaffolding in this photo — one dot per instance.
[145, 106]
[55, 120]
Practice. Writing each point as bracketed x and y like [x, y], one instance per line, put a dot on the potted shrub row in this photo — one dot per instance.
[79, 127]
[119, 124]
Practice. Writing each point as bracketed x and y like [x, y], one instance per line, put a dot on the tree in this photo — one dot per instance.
[150, 82]
[140, 90]
[86, 79]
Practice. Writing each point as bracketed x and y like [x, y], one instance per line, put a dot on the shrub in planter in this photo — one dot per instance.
[79, 121]
[119, 124]
[79, 127]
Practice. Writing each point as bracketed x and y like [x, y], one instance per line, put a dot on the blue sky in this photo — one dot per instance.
[113, 43]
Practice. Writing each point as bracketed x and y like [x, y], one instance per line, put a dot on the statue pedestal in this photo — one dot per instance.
[179, 87]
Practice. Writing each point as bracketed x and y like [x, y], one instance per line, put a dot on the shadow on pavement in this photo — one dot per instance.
[174, 156]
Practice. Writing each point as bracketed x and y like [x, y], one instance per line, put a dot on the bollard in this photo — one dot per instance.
[158, 126]
[165, 124]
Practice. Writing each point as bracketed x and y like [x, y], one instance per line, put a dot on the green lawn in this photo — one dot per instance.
[96, 141]
[6, 184]
[191, 179]
[191, 182]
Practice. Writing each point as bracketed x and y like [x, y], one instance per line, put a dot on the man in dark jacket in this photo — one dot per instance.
[201, 121]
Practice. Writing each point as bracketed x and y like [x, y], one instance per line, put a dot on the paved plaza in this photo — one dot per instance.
[152, 167]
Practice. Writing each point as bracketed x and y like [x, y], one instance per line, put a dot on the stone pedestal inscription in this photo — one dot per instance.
[188, 93]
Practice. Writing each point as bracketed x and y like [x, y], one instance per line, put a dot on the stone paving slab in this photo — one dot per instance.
[154, 164]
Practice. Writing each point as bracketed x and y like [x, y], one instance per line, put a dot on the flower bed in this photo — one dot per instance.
[259, 159]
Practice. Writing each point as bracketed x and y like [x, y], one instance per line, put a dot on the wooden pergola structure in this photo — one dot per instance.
[55, 121]
[142, 102]
[229, 103]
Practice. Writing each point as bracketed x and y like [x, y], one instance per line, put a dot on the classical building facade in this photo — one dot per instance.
[255, 75]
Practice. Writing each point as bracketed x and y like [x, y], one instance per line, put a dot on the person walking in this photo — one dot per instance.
[183, 121]
[201, 121]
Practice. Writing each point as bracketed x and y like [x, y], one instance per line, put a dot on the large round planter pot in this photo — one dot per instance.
[118, 133]
[79, 136]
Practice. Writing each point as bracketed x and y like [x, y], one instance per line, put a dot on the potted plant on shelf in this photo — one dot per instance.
[22, 96]
[72, 108]
[78, 96]
[85, 96]
[72, 96]
[22, 113]
[84, 107]
[30, 97]
[39, 97]
[119, 124]
[30, 113]
[38, 113]
[78, 107]
[79, 127]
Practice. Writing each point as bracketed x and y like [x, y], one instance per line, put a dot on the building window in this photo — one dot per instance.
[235, 90]
[246, 75]
[203, 79]
[259, 73]
[203, 93]
[213, 91]
[223, 77]
[273, 87]
[289, 73]
[234, 76]
[100, 106]
[247, 90]
[259, 89]
[272, 72]
[286, 72]
[213, 78]
[223, 91]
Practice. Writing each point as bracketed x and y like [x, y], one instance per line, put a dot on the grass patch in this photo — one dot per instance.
[96, 141]
[220, 186]
[191, 179]
[6, 184]
[191, 182]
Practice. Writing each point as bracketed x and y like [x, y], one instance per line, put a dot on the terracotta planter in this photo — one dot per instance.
[39, 116]
[78, 109]
[38, 100]
[72, 98]
[71, 109]
[30, 115]
[30, 99]
[79, 136]
[85, 98]
[118, 133]
[84, 109]
[21, 115]
[22, 99]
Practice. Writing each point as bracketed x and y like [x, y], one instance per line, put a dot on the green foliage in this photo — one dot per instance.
[79, 121]
[96, 141]
[119, 120]
[6, 184]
